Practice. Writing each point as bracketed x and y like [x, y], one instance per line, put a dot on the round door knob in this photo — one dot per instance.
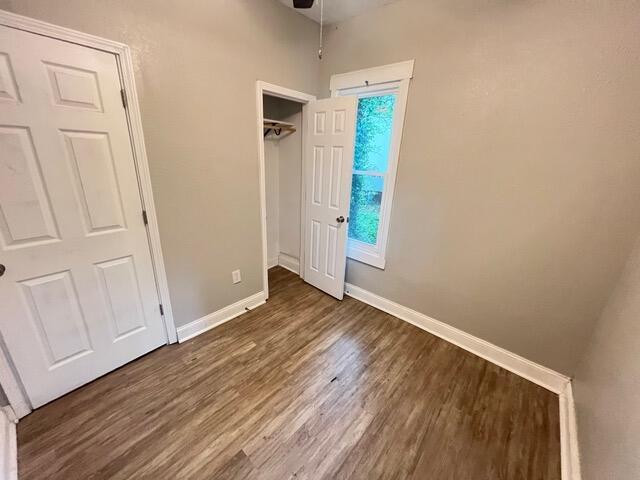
[340, 219]
[2, 269]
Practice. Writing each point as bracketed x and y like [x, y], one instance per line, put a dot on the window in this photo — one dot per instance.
[382, 97]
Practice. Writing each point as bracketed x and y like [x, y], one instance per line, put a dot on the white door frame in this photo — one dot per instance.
[10, 383]
[264, 88]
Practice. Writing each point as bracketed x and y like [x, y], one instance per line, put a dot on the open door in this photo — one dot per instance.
[328, 162]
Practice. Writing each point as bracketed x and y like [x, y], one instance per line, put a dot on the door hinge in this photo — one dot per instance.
[145, 219]
[161, 310]
[123, 96]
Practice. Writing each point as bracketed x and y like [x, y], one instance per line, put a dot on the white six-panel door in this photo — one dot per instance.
[78, 296]
[328, 163]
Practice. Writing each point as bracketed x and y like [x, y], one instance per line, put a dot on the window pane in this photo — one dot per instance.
[364, 218]
[373, 133]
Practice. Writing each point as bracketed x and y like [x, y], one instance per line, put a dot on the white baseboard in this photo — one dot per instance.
[8, 445]
[290, 263]
[272, 262]
[543, 376]
[569, 455]
[219, 317]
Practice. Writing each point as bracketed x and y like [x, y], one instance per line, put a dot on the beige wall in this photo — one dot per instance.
[607, 386]
[518, 190]
[196, 66]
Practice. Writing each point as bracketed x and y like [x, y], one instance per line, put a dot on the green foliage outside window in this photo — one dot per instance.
[373, 140]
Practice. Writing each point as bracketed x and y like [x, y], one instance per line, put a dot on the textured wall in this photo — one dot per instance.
[196, 67]
[518, 189]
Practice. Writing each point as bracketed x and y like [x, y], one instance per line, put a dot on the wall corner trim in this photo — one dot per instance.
[203, 324]
[569, 452]
[12, 386]
[8, 445]
[272, 262]
[543, 376]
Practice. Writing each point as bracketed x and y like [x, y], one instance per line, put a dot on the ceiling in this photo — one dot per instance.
[338, 10]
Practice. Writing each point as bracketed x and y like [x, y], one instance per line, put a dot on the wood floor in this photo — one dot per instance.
[304, 387]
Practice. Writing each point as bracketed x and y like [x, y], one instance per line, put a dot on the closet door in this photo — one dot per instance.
[328, 159]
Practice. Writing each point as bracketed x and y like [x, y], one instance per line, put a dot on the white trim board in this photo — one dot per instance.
[12, 386]
[289, 262]
[543, 376]
[8, 445]
[381, 74]
[219, 317]
[569, 455]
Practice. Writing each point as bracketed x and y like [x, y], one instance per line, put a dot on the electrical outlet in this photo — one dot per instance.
[235, 276]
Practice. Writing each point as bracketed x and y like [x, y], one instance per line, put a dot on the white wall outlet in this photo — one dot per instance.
[235, 276]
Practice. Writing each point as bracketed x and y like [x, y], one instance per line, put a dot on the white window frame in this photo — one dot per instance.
[393, 78]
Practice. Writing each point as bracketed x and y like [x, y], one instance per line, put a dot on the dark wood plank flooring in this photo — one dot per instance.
[304, 387]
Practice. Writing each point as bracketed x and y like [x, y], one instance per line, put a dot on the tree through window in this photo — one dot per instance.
[371, 161]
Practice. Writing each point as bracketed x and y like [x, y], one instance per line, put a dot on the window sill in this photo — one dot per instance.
[363, 256]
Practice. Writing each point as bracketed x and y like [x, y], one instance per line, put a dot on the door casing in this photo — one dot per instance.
[264, 88]
[8, 377]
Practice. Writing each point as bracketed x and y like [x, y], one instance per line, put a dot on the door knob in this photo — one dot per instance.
[2, 269]
[340, 219]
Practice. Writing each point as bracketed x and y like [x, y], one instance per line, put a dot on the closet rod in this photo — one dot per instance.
[278, 127]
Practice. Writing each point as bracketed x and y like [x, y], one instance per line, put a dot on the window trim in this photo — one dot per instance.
[393, 78]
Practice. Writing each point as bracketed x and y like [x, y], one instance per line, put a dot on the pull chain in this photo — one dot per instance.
[321, 20]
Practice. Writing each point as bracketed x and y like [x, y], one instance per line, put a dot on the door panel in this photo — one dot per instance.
[26, 212]
[8, 86]
[330, 137]
[74, 87]
[57, 318]
[121, 294]
[95, 182]
[78, 298]
[335, 178]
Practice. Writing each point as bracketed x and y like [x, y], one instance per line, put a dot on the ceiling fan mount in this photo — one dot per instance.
[302, 3]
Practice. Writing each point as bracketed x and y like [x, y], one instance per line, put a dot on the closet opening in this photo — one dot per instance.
[281, 128]
[283, 181]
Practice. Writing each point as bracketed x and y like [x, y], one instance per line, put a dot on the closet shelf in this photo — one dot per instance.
[280, 129]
